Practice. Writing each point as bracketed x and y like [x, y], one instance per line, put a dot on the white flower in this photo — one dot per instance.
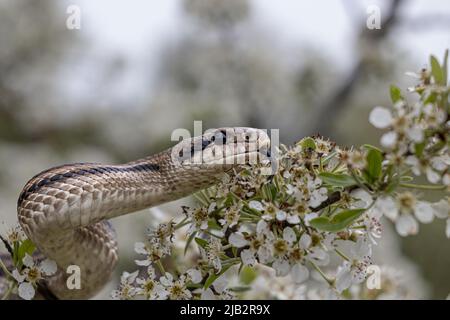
[355, 270]
[176, 289]
[199, 217]
[418, 166]
[404, 210]
[271, 212]
[149, 287]
[387, 206]
[30, 275]
[260, 244]
[15, 234]
[153, 251]
[231, 216]
[380, 117]
[126, 289]
[162, 235]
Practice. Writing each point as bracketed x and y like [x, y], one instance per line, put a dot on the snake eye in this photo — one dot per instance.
[205, 143]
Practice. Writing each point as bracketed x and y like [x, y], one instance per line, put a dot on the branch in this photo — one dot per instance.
[338, 100]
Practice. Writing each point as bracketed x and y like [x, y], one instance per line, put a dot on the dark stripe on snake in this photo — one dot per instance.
[83, 172]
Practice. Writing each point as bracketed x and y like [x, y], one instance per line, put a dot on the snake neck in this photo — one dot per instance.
[64, 211]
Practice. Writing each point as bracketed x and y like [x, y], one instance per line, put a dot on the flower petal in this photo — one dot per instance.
[389, 139]
[19, 277]
[26, 291]
[380, 117]
[195, 275]
[48, 267]
[432, 176]
[139, 247]
[281, 267]
[248, 257]
[406, 225]
[281, 215]
[442, 208]
[208, 294]
[424, 212]
[237, 240]
[256, 205]
[28, 260]
[300, 273]
[305, 241]
[144, 263]
[289, 235]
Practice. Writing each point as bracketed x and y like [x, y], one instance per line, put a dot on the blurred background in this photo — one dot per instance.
[113, 90]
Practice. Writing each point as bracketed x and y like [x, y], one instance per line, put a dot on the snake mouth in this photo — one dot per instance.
[240, 154]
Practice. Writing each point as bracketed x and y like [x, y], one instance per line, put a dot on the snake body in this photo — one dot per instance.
[65, 210]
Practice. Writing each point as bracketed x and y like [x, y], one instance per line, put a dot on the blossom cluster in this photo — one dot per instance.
[26, 269]
[321, 213]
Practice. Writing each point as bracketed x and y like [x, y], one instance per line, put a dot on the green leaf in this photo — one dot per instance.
[308, 143]
[337, 179]
[431, 98]
[188, 242]
[396, 94]
[213, 277]
[212, 224]
[201, 242]
[419, 147]
[338, 222]
[248, 275]
[25, 247]
[374, 160]
[436, 70]
[445, 67]
[392, 186]
[370, 147]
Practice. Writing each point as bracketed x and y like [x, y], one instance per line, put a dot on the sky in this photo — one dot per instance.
[138, 30]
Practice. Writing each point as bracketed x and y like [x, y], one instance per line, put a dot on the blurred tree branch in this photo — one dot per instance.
[369, 40]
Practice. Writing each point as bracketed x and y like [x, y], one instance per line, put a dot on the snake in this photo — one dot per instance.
[65, 210]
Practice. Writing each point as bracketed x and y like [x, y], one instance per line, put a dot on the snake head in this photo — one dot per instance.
[222, 149]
